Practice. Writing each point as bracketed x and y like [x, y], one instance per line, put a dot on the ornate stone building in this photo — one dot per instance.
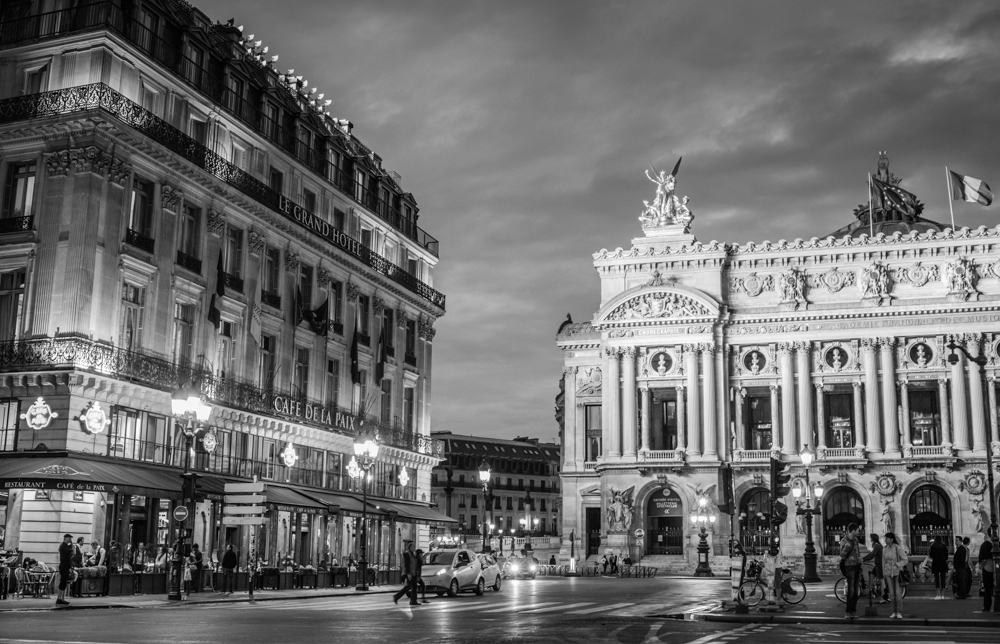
[701, 354]
[177, 211]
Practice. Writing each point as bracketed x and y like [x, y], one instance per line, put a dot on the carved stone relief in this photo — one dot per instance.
[918, 274]
[88, 159]
[255, 242]
[874, 281]
[753, 284]
[170, 197]
[960, 278]
[657, 306]
[215, 221]
[588, 381]
[834, 280]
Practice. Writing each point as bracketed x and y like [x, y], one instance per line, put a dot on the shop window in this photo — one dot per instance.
[9, 415]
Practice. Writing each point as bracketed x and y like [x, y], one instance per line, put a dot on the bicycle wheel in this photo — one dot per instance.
[793, 590]
[840, 590]
[750, 593]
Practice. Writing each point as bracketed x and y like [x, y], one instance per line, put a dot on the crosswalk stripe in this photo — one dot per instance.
[555, 608]
[600, 609]
[511, 607]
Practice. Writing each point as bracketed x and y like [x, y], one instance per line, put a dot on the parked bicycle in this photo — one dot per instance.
[868, 586]
[791, 588]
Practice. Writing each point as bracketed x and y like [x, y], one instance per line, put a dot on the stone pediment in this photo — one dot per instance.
[658, 304]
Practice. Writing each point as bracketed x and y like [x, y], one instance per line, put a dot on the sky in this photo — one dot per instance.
[523, 129]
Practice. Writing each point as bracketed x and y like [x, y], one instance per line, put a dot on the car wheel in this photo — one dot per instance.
[453, 588]
[480, 586]
[496, 585]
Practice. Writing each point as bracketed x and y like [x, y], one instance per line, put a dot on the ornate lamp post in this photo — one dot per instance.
[703, 518]
[807, 456]
[991, 491]
[365, 452]
[484, 477]
[189, 412]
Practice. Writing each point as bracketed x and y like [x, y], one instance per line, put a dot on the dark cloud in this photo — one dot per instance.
[523, 127]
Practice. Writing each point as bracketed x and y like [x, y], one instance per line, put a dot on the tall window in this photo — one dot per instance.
[367, 238]
[270, 120]
[9, 415]
[300, 375]
[363, 389]
[141, 211]
[199, 131]
[386, 401]
[360, 185]
[337, 304]
[411, 341]
[592, 431]
[839, 419]
[305, 284]
[388, 329]
[190, 225]
[384, 202]
[194, 60]
[339, 218]
[19, 190]
[408, 408]
[233, 259]
[925, 417]
[275, 179]
[130, 329]
[309, 200]
[226, 360]
[36, 80]
[332, 382]
[11, 304]
[412, 266]
[758, 416]
[149, 98]
[266, 360]
[183, 332]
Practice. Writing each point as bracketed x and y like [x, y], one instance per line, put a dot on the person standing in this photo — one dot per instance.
[961, 564]
[409, 576]
[894, 561]
[65, 568]
[939, 565]
[98, 555]
[875, 556]
[850, 566]
[162, 560]
[229, 563]
[74, 589]
[199, 564]
[988, 567]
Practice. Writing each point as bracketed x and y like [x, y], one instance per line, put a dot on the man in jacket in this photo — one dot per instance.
[199, 564]
[229, 563]
[988, 566]
[410, 576]
[963, 576]
[65, 568]
[850, 565]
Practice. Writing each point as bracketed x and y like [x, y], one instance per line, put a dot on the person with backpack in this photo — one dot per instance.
[850, 567]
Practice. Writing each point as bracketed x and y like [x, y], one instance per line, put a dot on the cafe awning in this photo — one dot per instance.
[343, 503]
[286, 498]
[82, 474]
[414, 512]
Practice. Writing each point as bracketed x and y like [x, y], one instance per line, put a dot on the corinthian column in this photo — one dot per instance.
[872, 412]
[739, 393]
[945, 412]
[859, 416]
[775, 425]
[613, 397]
[976, 399]
[570, 436]
[788, 442]
[629, 410]
[681, 418]
[890, 419]
[992, 391]
[645, 403]
[693, 401]
[959, 413]
[904, 400]
[820, 417]
[709, 430]
[805, 395]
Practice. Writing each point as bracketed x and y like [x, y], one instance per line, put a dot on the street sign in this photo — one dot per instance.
[243, 509]
[245, 498]
[639, 533]
[180, 514]
[244, 520]
[238, 488]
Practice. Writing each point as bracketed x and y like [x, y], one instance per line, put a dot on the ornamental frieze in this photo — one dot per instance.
[170, 197]
[753, 284]
[88, 159]
[960, 278]
[256, 242]
[834, 280]
[917, 274]
[762, 329]
[651, 306]
[291, 261]
[792, 287]
[215, 222]
[875, 282]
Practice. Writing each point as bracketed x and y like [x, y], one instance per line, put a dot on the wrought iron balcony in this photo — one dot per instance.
[16, 224]
[74, 353]
[271, 298]
[140, 241]
[98, 96]
[234, 282]
[189, 262]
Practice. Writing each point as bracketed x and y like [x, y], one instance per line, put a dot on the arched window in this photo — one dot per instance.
[755, 512]
[930, 516]
[842, 506]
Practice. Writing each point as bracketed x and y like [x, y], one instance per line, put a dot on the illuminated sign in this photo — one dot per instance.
[39, 414]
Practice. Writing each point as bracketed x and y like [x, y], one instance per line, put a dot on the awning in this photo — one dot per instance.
[285, 498]
[82, 474]
[344, 503]
[414, 512]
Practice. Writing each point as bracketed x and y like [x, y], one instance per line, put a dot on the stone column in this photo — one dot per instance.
[959, 413]
[739, 393]
[709, 425]
[570, 436]
[612, 395]
[872, 407]
[945, 412]
[820, 417]
[788, 442]
[806, 429]
[992, 397]
[629, 410]
[859, 415]
[646, 402]
[693, 402]
[976, 399]
[681, 418]
[890, 419]
[904, 400]
[775, 415]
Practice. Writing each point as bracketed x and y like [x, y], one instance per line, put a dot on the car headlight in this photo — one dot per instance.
[514, 567]
[534, 568]
[443, 571]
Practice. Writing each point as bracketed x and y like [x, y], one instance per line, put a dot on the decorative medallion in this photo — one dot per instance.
[754, 284]
[39, 414]
[209, 441]
[918, 274]
[661, 363]
[404, 478]
[973, 483]
[920, 354]
[836, 358]
[834, 280]
[754, 361]
[94, 419]
[288, 456]
[885, 484]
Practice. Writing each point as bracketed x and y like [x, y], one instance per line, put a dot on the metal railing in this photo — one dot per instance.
[16, 224]
[140, 241]
[189, 262]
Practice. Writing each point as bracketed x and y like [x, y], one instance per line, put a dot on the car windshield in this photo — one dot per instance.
[443, 557]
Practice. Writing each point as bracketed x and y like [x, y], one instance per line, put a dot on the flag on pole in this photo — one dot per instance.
[890, 196]
[355, 364]
[255, 323]
[380, 355]
[220, 277]
[965, 188]
[214, 315]
[319, 318]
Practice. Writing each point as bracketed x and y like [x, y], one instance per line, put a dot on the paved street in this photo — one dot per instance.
[542, 610]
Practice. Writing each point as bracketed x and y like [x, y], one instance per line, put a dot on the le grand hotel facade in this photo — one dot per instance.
[181, 213]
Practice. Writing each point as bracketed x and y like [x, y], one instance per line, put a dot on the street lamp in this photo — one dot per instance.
[190, 411]
[703, 518]
[365, 452]
[484, 477]
[807, 456]
[981, 361]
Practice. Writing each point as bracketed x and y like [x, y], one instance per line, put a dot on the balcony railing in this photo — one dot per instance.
[140, 241]
[108, 15]
[189, 262]
[99, 96]
[234, 282]
[271, 298]
[16, 224]
[83, 354]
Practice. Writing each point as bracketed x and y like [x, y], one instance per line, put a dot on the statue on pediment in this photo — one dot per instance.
[666, 209]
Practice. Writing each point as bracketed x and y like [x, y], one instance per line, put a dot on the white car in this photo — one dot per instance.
[491, 571]
[452, 572]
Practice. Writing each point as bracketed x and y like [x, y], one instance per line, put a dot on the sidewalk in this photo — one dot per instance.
[207, 597]
[821, 607]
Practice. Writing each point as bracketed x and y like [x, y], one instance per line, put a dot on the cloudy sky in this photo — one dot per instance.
[523, 128]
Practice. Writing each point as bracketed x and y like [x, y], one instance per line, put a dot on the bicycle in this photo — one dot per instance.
[792, 589]
[876, 590]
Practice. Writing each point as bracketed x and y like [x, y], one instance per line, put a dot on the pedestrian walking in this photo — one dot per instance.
[66, 551]
[850, 567]
[198, 557]
[420, 581]
[939, 565]
[963, 571]
[229, 563]
[409, 576]
[894, 562]
[875, 556]
[988, 568]
[604, 565]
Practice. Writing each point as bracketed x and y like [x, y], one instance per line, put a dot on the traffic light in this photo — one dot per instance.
[192, 491]
[781, 474]
[779, 513]
[726, 505]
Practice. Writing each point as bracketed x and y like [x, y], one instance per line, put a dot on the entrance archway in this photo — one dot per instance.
[665, 523]
[930, 516]
[842, 506]
[755, 520]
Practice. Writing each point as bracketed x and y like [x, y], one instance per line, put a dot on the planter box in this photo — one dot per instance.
[323, 579]
[339, 577]
[92, 586]
[269, 578]
[306, 579]
[154, 583]
[119, 584]
[286, 580]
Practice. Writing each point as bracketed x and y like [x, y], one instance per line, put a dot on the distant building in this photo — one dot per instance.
[524, 485]
[701, 354]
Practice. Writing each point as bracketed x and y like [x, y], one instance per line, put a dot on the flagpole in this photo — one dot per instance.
[951, 199]
[871, 213]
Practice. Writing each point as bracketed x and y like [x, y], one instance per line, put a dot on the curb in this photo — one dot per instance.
[777, 618]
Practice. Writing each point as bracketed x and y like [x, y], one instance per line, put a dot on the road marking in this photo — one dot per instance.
[555, 608]
[724, 635]
[599, 609]
[510, 607]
